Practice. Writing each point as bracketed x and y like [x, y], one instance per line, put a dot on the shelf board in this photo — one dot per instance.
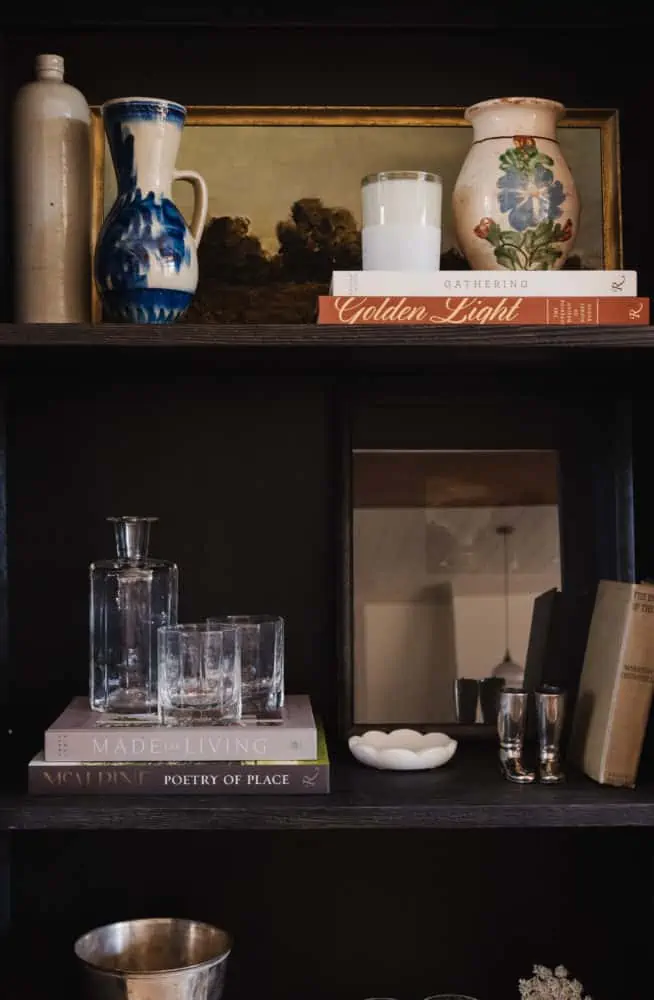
[468, 793]
[312, 335]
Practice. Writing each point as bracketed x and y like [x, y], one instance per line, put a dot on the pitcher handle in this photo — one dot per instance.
[201, 200]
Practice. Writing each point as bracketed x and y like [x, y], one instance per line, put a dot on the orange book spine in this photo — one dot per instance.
[367, 310]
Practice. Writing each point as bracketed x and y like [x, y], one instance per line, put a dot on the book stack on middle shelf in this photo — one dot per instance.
[96, 753]
[177, 707]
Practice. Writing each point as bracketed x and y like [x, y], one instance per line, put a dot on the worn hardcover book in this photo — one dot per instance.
[246, 777]
[616, 685]
[80, 734]
[473, 310]
[528, 283]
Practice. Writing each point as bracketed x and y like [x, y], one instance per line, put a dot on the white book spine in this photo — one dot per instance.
[485, 283]
[215, 744]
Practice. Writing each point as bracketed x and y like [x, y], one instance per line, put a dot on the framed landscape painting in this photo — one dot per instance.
[284, 195]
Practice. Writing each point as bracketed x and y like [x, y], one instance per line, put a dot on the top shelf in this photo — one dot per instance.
[502, 338]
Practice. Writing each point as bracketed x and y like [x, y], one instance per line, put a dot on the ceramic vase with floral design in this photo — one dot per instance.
[515, 203]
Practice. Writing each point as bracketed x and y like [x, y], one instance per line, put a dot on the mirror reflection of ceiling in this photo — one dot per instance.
[399, 554]
[454, 478]
[459, 500]
[464, 540]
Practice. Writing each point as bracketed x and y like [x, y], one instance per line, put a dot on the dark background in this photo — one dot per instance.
[239, 457]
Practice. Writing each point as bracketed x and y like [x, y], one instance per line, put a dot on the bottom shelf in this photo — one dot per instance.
[469, 792]
[343, 914]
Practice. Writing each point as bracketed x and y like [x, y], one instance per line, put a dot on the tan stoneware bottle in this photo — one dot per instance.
[51, 199]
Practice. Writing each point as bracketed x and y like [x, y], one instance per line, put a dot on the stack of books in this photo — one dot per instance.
[484, 298]
[94, 753]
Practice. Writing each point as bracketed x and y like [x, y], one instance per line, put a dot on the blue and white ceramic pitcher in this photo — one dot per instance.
[146, 264]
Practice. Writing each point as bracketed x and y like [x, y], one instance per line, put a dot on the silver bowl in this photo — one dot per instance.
[159, 958]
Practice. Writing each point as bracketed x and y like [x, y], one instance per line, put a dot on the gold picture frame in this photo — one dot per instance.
[598, 142]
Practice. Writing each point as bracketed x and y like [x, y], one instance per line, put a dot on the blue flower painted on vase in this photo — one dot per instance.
[529, 198]
[532, 201]
[141, 228]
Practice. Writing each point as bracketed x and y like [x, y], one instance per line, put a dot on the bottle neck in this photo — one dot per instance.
[132, 536]
[50, 68]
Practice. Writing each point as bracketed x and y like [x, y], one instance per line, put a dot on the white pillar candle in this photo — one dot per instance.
[401, 221]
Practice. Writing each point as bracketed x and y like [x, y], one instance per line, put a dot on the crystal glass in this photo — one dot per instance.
[401, 221]
[132, 595]
[261, 639]
[199, 674]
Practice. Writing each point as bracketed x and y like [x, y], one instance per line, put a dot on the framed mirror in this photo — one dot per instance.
[457, 515]
[449, 551]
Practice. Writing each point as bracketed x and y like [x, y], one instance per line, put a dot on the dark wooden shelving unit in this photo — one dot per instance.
[401, 885]
[469, 794]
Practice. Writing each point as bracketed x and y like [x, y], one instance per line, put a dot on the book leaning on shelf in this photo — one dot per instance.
[617, 683]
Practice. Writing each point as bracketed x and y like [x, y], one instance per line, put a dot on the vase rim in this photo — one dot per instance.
[537, 103]
[145, 100]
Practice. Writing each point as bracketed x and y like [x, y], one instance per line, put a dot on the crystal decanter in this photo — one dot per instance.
[131, 596]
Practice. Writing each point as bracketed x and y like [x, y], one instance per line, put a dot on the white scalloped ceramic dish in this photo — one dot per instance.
[402, 749]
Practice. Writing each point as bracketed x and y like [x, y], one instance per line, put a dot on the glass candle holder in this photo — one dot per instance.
[261, 650]
[401, 221]
[199, 674]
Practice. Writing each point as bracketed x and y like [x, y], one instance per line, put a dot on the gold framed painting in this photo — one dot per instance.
[284, 195]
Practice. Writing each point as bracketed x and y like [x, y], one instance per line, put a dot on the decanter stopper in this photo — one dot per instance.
[550, 710]
[511, 725]
[132, 536]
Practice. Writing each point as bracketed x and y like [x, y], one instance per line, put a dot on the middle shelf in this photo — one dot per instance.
[468, 793]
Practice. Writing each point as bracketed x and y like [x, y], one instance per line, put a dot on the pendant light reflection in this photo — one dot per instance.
[512, 673]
